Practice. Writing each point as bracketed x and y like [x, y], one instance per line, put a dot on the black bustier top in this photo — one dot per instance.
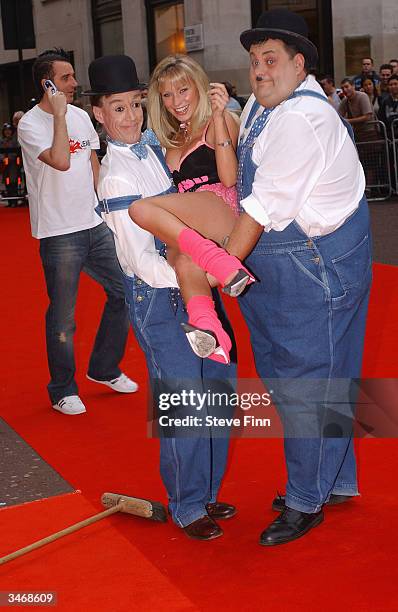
[197, 168]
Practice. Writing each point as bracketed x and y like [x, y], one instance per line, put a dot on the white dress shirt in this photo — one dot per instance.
[123, 174]
[308, 167]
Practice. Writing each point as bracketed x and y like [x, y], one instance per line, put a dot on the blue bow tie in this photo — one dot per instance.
[147, 138]
[139, 149]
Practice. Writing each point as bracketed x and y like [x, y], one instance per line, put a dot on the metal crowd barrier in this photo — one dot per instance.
[12, 176]
[394, 147]
[375, 156]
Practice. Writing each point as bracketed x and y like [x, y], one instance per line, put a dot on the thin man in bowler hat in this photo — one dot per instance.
[192, 464]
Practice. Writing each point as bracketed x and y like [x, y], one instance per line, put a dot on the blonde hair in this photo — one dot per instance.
[179, 69]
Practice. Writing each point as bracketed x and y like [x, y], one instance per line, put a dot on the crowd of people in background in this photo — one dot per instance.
[364, 101]
[367, 97]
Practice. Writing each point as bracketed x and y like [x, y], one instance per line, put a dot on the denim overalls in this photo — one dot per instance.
[191, 466]
[306, 317]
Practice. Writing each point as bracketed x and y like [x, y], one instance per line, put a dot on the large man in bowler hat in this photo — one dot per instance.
[192, 464]
[300, 179]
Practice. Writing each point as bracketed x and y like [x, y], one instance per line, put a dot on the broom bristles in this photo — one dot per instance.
[145, 508]
[159, 512]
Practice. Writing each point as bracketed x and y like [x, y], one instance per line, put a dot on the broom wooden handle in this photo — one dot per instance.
[60, 534]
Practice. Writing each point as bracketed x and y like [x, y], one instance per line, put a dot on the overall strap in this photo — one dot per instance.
[112, 204]
[157, 149]
[108, 205]
[248, 122]
[245, 146]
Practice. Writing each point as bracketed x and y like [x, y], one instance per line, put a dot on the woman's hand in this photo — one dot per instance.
[218, 98]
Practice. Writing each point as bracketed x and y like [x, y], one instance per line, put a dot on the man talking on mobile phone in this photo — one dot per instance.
[58, 146]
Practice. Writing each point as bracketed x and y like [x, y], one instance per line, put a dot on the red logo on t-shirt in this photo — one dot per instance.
[74, 146]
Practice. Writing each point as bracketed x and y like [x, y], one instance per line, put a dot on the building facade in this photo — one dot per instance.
[344, 31]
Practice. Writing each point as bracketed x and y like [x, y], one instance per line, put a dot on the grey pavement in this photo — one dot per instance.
[384, 217]
[24, 475]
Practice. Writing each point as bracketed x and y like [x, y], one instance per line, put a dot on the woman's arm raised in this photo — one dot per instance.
[223, 135]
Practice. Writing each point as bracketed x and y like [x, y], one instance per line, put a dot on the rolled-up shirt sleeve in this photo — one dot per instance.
[135, 247]
[290, 160]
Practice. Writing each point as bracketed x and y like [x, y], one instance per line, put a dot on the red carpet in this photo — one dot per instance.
[124, 563]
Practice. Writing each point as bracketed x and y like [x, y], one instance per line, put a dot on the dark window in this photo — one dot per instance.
[356, 49]
[108, 27]
[165, 22]
[9, 74]
[17, 21]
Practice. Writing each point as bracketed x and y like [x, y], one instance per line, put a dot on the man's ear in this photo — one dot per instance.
[98, 114]
[299, 62]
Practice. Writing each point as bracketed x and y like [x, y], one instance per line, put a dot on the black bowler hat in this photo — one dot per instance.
[112, 74]
[283, 25]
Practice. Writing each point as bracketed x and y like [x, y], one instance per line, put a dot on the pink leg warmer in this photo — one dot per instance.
[202, 314]
[208, 256]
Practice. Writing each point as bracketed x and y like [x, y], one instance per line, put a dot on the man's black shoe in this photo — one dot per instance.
[203, 529]
[278, 504]
[290, 525]
[220, 510]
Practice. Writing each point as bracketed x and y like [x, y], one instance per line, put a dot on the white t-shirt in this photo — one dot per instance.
[123, 174]
[60, 202]
[308, 167]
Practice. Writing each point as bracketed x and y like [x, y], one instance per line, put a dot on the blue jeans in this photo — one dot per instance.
[191, 466]
[307, 320]
[63, 258]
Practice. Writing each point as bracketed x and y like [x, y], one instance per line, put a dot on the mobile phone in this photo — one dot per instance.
[50, 85]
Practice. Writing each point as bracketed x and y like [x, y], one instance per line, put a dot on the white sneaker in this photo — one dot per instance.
[122, 383]
[71, 404]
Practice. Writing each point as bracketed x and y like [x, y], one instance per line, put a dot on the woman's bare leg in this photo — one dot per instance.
[167, 216]
[194, 222]
[204, 330]
[192, 280]
[203, 211]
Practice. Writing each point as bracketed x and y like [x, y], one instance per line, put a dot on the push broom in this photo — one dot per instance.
[114, 502]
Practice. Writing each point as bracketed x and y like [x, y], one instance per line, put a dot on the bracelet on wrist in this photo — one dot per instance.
[225, 143]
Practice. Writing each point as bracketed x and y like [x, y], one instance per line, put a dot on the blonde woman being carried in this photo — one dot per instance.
[189, 117]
